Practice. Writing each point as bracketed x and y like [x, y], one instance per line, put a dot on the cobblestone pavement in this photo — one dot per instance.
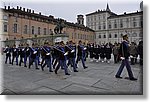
[98, 78]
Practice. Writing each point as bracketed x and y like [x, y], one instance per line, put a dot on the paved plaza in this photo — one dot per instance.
[97, 79]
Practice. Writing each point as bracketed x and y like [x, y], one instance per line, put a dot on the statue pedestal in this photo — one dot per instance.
[59, 39]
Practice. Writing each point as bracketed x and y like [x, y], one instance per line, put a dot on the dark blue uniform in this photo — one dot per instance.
[15, 55]
[7, 50]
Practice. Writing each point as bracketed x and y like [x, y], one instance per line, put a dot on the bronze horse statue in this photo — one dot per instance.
[59, 27]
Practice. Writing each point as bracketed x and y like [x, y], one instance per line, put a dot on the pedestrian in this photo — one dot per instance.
[124, 52]
[91, 50]
[102, 52]
[96, 52]
[133, 52]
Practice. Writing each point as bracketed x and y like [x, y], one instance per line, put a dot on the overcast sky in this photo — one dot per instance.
[69, 9]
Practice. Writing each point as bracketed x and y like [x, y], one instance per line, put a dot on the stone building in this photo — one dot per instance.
[21, 23]
[109, 26]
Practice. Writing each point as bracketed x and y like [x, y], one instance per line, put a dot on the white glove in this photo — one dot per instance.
[72, 51]
[22, 49]
[28, 49]
[131, 56]
[48, 54]
[7, 52]
[14, 49]
[34, 52]
[66, 54]
[85, 48]
[122, 58]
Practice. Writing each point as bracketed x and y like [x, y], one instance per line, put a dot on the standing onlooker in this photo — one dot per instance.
[115, 52]
[133, 52]
[108, 51]
[140, 52]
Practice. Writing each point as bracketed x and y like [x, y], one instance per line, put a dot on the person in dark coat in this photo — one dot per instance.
[102, 52]
[108, 51]
[96, 52]
[7, 50]
[140, 52]
[14, 54]
[124, 52]
[80, 55]
[91, 50]
[115, 51]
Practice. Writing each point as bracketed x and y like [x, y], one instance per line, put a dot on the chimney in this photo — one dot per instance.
[20, 8]
[5, 7]
[32, 11]
[17, 7]
[39, 13]
[8, 7]
[27, 10]
[24, 9]
[125, 13]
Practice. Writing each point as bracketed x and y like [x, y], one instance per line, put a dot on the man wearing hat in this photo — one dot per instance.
[124, 52]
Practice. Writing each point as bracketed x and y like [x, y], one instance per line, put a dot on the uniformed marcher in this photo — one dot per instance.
[21, 53]
[124, 52]
[33, 55]
[27, 54]
[80, 55]
[7, 50]
[47, 50]
[71, 55]
[14, 54]
[62, 58]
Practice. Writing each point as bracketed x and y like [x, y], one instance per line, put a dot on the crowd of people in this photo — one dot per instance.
[62, 55]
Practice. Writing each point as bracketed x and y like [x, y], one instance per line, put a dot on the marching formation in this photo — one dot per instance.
[54, 57]
[63, 55]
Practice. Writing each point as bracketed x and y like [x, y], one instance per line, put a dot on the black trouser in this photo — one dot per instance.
[15, 56]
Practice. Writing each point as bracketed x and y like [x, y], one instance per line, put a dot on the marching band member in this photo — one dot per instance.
[71, 55]
[33, 55]
[14, 54]
[7, 50]
[102, 53]
[47, 50]
[62, 58]
[124, 52]
[80, 54]
[27, 54]
[21, 53]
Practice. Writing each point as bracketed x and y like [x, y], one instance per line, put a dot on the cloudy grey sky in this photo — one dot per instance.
[69, 9]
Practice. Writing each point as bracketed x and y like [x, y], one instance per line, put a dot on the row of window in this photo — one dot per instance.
[115, 25]
[116, 36]
[82, 36]
[96, 17]
[27, 29]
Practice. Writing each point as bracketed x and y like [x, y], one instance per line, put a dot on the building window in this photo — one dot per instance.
[5, 17]
[5, 27]
[115, 25]
[25, 29]
[104, 36]
[50, 31]
[32, 29]
[103, 16]
[44, 31]
[99, 27]
[104, 26]
[134, 24]
[121, 35]
[121, 23]
[141, 23]
[115, 35]
[39, 30]
[109, 35]
[15, 28]
[109, 26]
[16, 19]
[99, 36]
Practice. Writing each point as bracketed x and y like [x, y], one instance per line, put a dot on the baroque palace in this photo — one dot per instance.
[20, 24]
[109, 26]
